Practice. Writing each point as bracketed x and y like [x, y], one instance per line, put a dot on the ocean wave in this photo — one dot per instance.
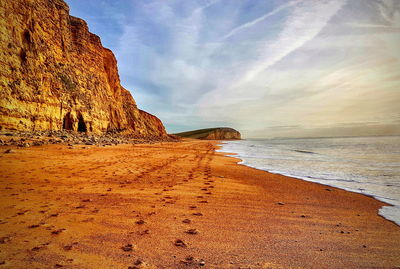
[304, 151]
[343, 164]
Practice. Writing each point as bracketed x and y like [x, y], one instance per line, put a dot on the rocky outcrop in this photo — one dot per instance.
[56, 75]
[221, 133]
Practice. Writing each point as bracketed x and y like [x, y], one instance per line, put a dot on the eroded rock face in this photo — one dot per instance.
[223, 134]
[56, 75]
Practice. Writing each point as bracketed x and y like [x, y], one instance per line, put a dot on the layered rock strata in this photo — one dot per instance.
[56, 75]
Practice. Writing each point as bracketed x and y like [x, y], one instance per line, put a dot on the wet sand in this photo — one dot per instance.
[178, 205]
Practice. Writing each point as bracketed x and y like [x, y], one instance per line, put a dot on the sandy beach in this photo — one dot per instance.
[178, 205]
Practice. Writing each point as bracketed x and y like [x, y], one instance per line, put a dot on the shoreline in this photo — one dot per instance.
[243, 162]
[127, 205]
[386, 200]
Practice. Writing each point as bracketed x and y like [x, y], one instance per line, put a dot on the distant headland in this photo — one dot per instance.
[219, 133]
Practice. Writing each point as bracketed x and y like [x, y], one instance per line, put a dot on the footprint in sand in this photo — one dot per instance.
[187, 221]
[127, 247]
[55, 232]
[4, 239]
[192, 231]
[144, 232]
[180, 243]
[197, 214]
[37, 248]
[191, 261]
[137, 264]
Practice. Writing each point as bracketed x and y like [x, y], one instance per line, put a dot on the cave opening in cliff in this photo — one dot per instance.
[23, 56]
[27, 37]
[81, 124]
[67, 122]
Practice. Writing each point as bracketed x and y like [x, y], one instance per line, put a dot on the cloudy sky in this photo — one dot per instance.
[265, 67]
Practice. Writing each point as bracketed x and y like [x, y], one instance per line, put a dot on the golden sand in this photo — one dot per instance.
[178, 205]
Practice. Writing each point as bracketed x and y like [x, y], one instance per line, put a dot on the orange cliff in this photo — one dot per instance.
[55, 74]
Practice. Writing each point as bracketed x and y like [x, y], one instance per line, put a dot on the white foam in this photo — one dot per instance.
[337, 167]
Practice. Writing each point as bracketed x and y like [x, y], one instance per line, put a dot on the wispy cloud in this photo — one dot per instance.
[259, 19]
[258, 64]
[207, 5]
[373, 26]
[303, 24]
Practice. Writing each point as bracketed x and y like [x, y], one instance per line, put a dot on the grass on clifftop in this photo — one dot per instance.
[198, 134]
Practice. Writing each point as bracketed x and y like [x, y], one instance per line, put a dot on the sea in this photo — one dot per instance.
[367, 165]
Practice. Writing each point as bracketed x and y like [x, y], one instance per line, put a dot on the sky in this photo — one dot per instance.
[268, 68]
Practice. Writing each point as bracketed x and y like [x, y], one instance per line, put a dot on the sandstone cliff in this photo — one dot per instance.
[55, 74]
[221, 133]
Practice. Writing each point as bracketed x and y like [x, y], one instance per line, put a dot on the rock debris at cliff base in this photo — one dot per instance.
[70, 138]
